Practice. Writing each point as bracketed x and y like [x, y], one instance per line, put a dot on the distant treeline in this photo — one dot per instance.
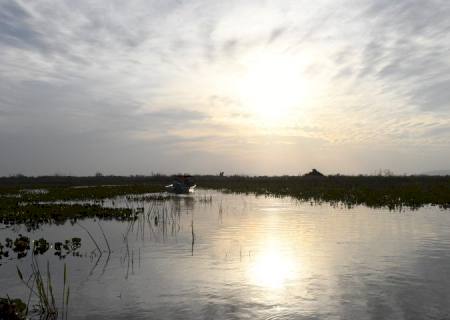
[98, 179]
[374, 191]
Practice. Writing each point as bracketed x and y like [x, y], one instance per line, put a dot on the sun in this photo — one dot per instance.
[272, 88]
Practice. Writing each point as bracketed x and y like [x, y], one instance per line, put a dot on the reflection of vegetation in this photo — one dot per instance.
[205, 199]
[153, 197]
[160, 218]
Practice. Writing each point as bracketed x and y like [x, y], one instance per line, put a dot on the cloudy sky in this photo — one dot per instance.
[201, 86]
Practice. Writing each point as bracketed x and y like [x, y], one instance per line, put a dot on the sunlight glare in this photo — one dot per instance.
[272, 88]
[272, 269]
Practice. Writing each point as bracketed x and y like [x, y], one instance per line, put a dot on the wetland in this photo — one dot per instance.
[239, 247]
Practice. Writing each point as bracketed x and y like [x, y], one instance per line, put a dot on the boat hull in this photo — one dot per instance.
[179, 188]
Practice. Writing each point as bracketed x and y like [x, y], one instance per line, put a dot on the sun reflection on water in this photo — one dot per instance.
[273, 268]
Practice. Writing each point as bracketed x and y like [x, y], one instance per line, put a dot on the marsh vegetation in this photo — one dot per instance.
[389, 191]
[393, 192]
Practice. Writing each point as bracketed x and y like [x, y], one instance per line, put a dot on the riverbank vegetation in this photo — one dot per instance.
[375, 191]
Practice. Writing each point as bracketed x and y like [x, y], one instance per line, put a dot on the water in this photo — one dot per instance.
[220, 256]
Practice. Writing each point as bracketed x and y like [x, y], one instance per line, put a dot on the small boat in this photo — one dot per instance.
[181, 184]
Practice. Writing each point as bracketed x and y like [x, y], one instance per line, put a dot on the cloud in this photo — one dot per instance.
[409, 50]
[15, 27]
[147, 76]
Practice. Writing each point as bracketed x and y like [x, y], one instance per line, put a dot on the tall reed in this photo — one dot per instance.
[42, 288]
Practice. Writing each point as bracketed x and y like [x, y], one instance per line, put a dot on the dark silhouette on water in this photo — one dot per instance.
[181, 184]
[314, 173]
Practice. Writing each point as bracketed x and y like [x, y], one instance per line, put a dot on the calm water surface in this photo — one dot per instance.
[220, 256]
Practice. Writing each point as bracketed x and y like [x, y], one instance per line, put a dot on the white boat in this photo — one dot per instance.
[181, 184]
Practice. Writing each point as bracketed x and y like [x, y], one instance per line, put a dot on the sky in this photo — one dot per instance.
[244, 87]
